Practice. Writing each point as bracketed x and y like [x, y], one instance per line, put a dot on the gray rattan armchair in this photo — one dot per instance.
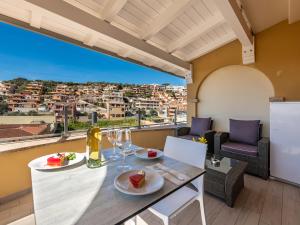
[186, 133]
[256, 155]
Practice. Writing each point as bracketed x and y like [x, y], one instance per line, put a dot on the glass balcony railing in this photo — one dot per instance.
[66, 123]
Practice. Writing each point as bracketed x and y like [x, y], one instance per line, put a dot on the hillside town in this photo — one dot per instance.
[48, 100]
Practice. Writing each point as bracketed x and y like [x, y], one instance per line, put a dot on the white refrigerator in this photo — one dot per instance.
[285, 141]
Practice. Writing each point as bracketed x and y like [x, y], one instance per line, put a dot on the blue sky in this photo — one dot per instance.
[34, 56]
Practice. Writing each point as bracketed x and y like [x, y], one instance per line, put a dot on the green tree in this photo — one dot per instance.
[119, 87]
[19, 84]
[77, 125]
[153, 112]
[171, 93]
[59, 128]
[143, 113]
[127, 122]
[3, 108]
[48, 86]
[32, 113]
[16, 114]
[129, 94]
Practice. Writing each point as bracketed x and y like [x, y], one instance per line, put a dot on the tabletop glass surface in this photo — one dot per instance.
[92, 195]
[226, 164]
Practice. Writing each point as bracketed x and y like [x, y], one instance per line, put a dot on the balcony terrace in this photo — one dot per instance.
[260, 202]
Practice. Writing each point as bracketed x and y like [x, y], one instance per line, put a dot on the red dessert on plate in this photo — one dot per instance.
[57, 160]
[152, 153]
[137, 180]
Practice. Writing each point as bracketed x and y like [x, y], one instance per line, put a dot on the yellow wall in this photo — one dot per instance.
[277, 52]
[15, 175]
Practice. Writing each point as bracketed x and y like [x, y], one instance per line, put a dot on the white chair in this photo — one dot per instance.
[192, 153]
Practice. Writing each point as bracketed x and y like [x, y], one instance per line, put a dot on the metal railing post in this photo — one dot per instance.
[175, 117]
[139, 118]
[65, 120]
[94, 118]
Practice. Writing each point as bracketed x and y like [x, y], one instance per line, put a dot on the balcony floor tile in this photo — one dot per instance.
[254, 206]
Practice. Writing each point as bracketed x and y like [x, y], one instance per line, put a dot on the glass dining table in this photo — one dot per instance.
[79, 195]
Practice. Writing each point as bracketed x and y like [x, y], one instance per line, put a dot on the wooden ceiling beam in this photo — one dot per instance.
[35, 19]
[90, 39]
[112, 8]
[91, 10]
[195, 33]
[125, 53]
[76, 15]
[212, 46]
[164, 19]
[235, 19]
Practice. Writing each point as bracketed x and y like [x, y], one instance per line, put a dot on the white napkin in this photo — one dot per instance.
[133, 149]
[169, 176]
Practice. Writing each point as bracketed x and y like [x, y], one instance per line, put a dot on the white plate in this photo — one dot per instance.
[41, 163]
[143, 154]
[153, 183]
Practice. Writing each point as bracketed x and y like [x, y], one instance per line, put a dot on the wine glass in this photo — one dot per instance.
[128, 141]
[124, 143]
[112, 138]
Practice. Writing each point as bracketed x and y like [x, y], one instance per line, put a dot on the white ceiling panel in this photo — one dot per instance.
[263, 14]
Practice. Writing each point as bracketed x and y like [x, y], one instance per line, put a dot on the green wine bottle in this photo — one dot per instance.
[93, 147]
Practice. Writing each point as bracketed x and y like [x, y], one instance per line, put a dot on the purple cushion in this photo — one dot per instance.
[244, 131]
[200, 126]
[189, 137]
[239, 148]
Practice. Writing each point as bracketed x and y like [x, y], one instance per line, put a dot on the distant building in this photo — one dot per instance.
[59, 97]
[113, 96]
[42, 108]
[5, 89]
[34, 88]
[110, 101]
[163, 112]
[85, 107]
[147, 104]
[58, 109]
[171, 111]
[23, 103]
[115, 110]
[110, 88]
[114, 102]
[175, 88]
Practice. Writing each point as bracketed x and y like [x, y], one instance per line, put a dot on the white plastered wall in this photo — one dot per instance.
[238, 92]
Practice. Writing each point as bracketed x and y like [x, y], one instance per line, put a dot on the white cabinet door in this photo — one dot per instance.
[285, 141]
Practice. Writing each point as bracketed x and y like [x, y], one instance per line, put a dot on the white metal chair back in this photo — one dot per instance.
[189, 152]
